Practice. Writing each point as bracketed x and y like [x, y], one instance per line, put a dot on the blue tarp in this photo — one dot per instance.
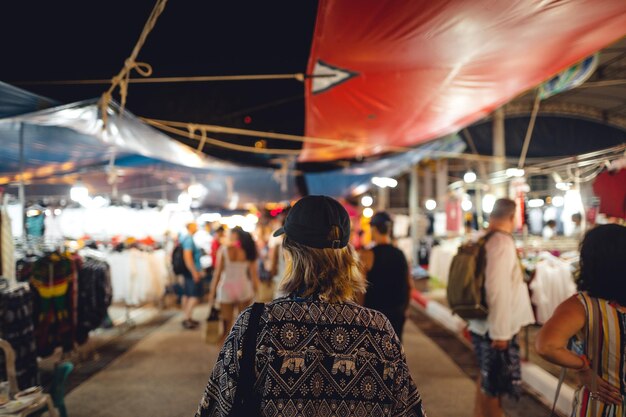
[15, 101]
[343, 182]
[69, 139]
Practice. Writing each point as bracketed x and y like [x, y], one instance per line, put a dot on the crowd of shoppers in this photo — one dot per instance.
[316, 351]
[333, 317]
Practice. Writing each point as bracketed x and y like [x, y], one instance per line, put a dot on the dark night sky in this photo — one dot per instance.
[57, 40]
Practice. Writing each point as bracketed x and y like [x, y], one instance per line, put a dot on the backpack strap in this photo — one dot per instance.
[244, 395]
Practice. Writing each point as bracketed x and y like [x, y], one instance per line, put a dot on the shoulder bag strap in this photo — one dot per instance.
[558, 390]
[245, 384]
[594, 352]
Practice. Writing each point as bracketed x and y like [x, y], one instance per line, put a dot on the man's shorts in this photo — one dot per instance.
[488, 363]
[192, 288]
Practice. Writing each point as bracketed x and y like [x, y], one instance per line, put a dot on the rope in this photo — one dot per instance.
[258, 133]
[223, 144]
[172, 126]
[192, 128]
[529, 131]
[191, 79]
[122, 79]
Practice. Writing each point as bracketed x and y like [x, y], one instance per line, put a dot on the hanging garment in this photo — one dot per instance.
[119, 263]
[94, 297]
[552, 284]
[16, 327]
[52, 279]
[7, 250]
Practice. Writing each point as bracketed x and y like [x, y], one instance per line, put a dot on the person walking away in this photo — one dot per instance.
[549, 230]
[316, 351]
[218, 237]
[192, 291]
[388, 278]
[509, 309]
[236, 277]
[578, 232]
[602, 291]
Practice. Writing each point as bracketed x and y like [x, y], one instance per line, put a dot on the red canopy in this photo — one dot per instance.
[403, 72]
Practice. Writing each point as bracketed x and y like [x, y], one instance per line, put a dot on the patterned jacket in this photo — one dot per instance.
[315, 358]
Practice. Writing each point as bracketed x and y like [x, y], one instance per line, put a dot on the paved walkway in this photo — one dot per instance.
[164, 375]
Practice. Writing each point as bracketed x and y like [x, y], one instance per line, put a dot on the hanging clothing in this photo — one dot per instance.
[138, 276]
[53, 280]
[7, 250]
[234, 286]
[16, 327]
[35, 225]
[552, 284]
[94, 296]
[612, 355]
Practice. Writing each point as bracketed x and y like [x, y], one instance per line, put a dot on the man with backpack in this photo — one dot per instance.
[487, 288]
[191, 270]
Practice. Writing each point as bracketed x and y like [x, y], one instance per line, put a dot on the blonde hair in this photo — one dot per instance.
[336, 275]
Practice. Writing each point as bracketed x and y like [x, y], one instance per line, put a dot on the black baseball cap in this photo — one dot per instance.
[310, 220]
[380, 218]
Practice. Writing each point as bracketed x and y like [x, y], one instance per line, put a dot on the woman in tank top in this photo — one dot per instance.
[236, 276]
[602, 286]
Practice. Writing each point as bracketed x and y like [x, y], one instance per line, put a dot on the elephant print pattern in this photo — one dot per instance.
[315, 358]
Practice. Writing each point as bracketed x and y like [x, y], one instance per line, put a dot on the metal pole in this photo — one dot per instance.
[383, 196]
[480, 218]
[441, 184]
[499, 149]
[21, 192]
[414, 214]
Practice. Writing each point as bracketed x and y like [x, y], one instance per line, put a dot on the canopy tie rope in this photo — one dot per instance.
[192, 128]
[122, 79]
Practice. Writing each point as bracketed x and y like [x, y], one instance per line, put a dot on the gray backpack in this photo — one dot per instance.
[466, 281]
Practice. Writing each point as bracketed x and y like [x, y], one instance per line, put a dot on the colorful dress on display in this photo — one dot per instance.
[52, 278]
[612, 366]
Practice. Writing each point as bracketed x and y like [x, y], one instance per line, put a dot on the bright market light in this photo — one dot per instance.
[57, 212]
[367, 201]
[430, 204]
[515, 172]
[563, 186]
[469, 177]
[466, 205]
[558, 201]
[33, 213]
[209, 217]
[94, 203]
[252, 218]
[79, 192]
[197, 190]
[535, 203]
[489, 200]
[126, 199]
[368, 213]
[185, 200]
[384, 182]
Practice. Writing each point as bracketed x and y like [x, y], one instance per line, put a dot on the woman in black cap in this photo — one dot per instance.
[315, 352]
